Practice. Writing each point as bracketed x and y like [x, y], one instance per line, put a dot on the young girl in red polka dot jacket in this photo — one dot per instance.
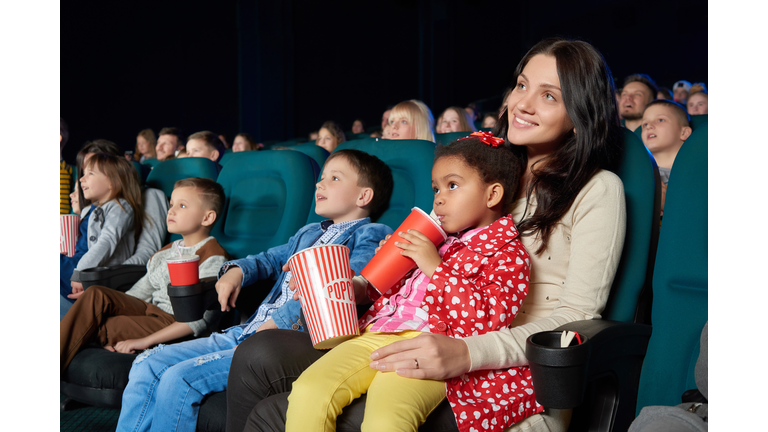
[473, 283]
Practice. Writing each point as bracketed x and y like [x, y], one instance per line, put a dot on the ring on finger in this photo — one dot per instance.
[416, 362]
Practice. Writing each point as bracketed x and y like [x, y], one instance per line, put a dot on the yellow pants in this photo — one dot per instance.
[394, 403]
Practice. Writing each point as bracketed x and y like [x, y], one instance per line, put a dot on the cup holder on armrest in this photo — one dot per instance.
[118, 277]
[191, 301]
[559, 374]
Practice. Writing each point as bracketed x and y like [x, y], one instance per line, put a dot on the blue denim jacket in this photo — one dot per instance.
[361, 239]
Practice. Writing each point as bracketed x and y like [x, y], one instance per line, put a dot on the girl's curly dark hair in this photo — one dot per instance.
[494, 164]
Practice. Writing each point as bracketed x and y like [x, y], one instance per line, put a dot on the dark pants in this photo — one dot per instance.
[262, 374]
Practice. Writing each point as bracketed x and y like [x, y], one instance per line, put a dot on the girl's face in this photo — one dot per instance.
[357, 127]
[326, 140]
[96, 186]
[698, 104]
[142, 144]
[461, 196]
[451, 122]
[535, 109]
[401, 128]
[240, 144]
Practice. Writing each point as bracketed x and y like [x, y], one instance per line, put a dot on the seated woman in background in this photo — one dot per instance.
[489, 120]
[330, 136]
[411, 119]
[145, 146]
[698, 100]
[358, 127]
[455, 119]
[244, 142]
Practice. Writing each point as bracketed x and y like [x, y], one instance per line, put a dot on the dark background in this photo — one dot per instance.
[279, 69]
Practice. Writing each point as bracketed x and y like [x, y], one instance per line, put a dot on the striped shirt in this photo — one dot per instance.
[65, 187]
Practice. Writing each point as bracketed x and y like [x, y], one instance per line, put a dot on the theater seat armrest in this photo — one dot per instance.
[117, 277]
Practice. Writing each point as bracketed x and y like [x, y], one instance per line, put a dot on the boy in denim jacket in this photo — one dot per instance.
[172, 380]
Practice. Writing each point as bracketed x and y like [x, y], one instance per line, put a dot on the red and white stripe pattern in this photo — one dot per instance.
[68, 237]
[324, 278]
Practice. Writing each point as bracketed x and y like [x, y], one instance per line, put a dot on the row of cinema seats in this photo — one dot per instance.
[642, 352]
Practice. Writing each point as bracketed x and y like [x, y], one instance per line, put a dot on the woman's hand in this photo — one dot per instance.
[439, 357]
[228, 287]
[421, 250]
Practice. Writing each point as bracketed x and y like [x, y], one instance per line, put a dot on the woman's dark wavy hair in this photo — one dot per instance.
[589, 98]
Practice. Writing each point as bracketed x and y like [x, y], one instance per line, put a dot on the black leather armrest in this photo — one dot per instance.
[613, 375]
[191, 301]
[118, 277]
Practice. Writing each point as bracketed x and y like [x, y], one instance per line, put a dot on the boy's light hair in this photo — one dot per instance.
[417, 114]
[210, 139]
[210, 192]
[678, 110]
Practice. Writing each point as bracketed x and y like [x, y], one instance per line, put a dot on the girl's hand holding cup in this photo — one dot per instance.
[421, 250]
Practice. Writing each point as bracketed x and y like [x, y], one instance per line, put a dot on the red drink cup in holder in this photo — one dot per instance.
[184, 270]
[388, 266]
[324, 279]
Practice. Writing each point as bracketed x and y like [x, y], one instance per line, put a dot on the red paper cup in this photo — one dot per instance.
[184, 270]
[324, 279]
[70, 225]
[387, 267]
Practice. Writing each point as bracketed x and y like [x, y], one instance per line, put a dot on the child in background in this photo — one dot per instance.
[490, 119]
[455, 119]
[386, 132]
[244, 142]
[698, 101]
[411, 119]
[474, 283]
[114, 219]
[145, 146]
[65, 171]
[312, 136]
[439, 127]
[358, 127]
[330, 136]
[666, 125]
[174, 378]
[143, 316]
[205, 144]
[182, 154]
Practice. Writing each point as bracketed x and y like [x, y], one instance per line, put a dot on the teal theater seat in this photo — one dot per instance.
[167, 173]
[317, 153]
[680, 281]
[446, 138]
[411, 165]
[228, 156]
[268, 197]
[698, 120]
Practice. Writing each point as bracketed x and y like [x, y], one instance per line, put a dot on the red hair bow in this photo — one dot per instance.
[486, 137]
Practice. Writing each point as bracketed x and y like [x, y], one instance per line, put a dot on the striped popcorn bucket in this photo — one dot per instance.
[68, 237]
[324, 280]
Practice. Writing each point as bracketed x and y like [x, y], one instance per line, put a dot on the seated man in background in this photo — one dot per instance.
[681, 90]
[666, 126]
[638, 91]
[168, 141]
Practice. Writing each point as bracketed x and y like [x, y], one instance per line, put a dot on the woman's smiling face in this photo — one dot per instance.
[535, 109]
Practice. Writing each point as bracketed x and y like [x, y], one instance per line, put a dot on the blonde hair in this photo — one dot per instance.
[148, 135]
[465, 122]
[417, 114]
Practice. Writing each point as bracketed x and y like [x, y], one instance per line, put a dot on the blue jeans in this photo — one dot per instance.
[172, 380]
